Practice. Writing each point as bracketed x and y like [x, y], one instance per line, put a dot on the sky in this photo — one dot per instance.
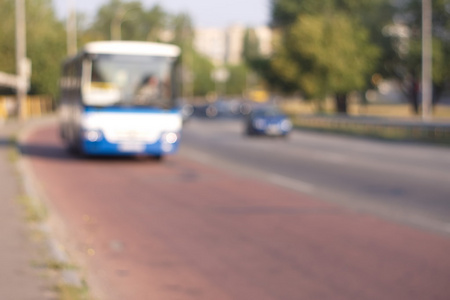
[204, 13]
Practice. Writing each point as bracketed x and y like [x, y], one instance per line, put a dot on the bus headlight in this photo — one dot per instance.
[92, 135]
[170, 138]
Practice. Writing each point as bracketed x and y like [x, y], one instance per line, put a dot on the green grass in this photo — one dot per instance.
[58, 266]
[304, 116]
[13, 153]
[69, 292]
[387, 132]
[35, 211]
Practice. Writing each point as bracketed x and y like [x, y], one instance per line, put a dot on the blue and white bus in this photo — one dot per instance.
[119, 98]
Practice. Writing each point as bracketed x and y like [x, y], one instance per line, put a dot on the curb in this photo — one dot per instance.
[58, 254]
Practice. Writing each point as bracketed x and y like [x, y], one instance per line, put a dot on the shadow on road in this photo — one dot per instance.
[5, 142]
[58, 153]
[45, 151]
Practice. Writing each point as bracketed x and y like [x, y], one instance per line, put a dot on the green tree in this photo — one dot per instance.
[155, 22]
[46, 46]
[325, 47]
[236, 83]
[395, 27]
[7, 37]
[183, 30]
[285, 12]
[46, 41]
[323, 55]
[408, 49]
[250, 49]
[195, 66]
[120, 20]
[202, 69]
[136, 23]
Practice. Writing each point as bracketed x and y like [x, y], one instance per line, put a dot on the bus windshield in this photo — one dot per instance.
[128, 80]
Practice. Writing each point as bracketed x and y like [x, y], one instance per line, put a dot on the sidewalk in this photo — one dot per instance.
[20, 276]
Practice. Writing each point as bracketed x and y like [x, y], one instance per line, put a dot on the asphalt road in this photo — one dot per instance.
[237, 218]
[405, 182]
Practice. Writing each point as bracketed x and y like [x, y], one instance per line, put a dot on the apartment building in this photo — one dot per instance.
[212, 43]
[225, 46]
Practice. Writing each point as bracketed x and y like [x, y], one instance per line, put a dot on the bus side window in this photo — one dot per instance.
[95, 74]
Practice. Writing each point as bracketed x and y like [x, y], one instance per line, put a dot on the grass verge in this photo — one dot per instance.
[70, 292]
[35, 213]
[13, 153]
[434, 134]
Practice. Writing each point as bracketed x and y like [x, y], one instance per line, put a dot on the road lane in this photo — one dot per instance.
[404, 182]
[186, 230]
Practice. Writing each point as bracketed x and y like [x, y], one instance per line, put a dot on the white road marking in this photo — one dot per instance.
[294, 184]
[446, 227]
[330, 157]
[377, 158]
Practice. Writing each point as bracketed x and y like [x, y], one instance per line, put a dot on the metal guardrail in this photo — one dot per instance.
[393, 129]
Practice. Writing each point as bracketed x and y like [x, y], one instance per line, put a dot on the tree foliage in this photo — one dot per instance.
[183, 30]
[322, 55]
[118, 19]
[202, 68]
[286, 12]
[131, 21]
[154, 24]
[250, 49]
[7, 37]
[325, 46]
[408, 51]
[46, 46]
[237, 80]
[393, 26]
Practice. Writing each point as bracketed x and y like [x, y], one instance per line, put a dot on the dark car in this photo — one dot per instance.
[267, 121]
[221, 109]
[186, 109]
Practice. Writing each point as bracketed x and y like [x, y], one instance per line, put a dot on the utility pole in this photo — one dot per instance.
[71, 29]
[21, 61]
[427, 88]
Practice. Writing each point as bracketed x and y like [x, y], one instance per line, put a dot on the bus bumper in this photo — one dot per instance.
[128, 148]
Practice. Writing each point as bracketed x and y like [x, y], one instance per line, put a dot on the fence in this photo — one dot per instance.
[35, 106]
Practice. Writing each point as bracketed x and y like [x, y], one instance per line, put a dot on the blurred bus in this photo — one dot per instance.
[118, 98]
